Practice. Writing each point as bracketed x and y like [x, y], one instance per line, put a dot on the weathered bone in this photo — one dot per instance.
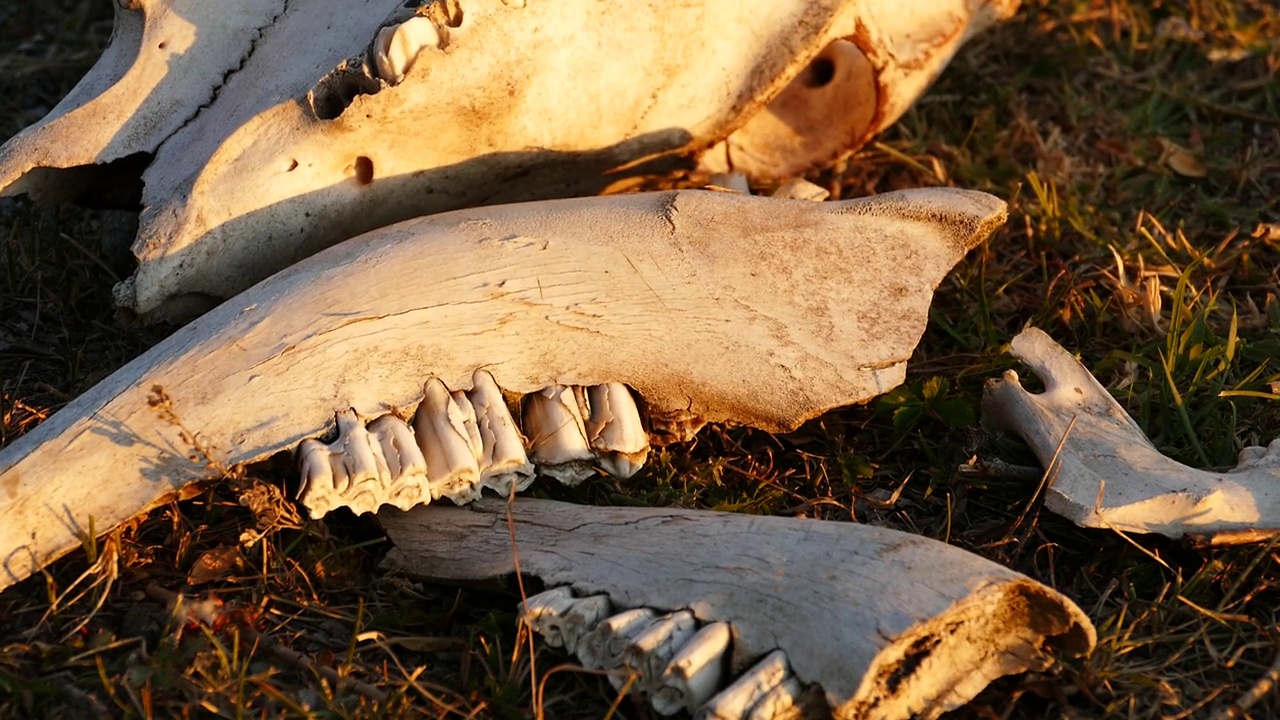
[281, 128]
[889, 625]
[1106, 473]
[662, 292]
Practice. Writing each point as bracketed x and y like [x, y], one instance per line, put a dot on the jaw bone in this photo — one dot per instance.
[315, 120]
[1108, 474]
[886, 624]
[662, 292]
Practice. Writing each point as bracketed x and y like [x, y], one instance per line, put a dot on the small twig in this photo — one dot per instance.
[1253, 695]
[284, 655]
[1050, 474]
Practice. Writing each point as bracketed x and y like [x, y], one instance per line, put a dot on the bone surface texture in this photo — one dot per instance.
[274, 128]
[867, 621]
[661, 292]
[1109, 475]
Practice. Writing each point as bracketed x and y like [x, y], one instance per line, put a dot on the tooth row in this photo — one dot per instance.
[462, 442]
[669, 659]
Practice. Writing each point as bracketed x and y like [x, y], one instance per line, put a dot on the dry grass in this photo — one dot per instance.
[1140, 146]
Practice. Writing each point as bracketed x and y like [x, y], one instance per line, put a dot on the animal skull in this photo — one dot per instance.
[874, 622]
[1104, 472]
[688, 297]
[280, 128]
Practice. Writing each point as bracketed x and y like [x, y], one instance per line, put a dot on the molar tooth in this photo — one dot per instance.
[357, 474]
[740, 699]
[504, 465]
[397, 47]
[780, 703]
[557, 435]
[614, 429]
[445, 426]
[562, 619]
[602, 648]
[649, 653]
[695, 672]
[408, 467]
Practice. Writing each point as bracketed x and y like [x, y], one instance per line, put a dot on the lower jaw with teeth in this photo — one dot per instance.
[459, 443]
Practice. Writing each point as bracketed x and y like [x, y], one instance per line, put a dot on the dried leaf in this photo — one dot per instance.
[215, 564]
[1181, 160]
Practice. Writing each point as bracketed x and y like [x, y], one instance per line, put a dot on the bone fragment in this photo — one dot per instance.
[1107, 474]
[614, 429]
[661, 292]
[557, 435]
[268, 131]
[445, 426]
[561, 619]
[800, 189]
[696, 672]
[504, 465]
[397, 47]
[888, 624]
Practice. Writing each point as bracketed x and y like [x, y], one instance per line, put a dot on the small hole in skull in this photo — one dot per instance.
[293, 165]
[820, 73]
[364, 170]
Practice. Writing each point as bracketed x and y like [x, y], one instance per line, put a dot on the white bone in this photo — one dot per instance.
[614, 429]
[1108, 474]
[557, 437]
[603, 647]
[397, 47]
[660, 291]
[561, 619]
[884, 623]
[696, 672]
[445, 426]
[648, 653]
[800, 189]
[274, 137]
[504, 465]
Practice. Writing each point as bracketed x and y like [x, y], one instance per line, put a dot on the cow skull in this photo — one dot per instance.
[282, 127]
[712, 306]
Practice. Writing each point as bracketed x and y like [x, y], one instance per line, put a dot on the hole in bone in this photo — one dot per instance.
[335, 92]
[364, 170]
[293, 165]
[820, 72]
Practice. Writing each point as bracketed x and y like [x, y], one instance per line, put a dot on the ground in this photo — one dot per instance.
[1139, 146]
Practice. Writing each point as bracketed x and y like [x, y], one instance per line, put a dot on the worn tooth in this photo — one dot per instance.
[780, 703]
[409, 486]
[562, 619]
[602, 648]
[649, 653]
[557, 435]
[357, 476]
[504, 465]
[737, 701]
[614, 429]
[397, 47]
[695, 672]
[445, 426]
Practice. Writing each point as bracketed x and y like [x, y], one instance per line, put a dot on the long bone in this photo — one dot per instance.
[1106, 473]
[884, 623]
[279, 128]
[687, 297]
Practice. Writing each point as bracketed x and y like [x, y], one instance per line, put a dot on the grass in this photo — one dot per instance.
[1140, 147]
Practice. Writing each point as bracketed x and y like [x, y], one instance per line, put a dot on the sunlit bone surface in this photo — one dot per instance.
[689, 298]
[884, 624]
[312, 121]
[1107, 474]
